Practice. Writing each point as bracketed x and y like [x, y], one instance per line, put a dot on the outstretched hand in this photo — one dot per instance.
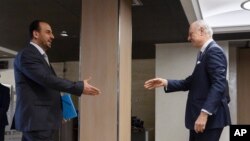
[89, 89]
[155, 83]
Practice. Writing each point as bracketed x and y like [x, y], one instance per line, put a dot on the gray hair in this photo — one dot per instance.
[207, 28]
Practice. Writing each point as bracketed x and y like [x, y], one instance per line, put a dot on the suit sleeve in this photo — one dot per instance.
[216, 69]
[178, 85]
[33, 67]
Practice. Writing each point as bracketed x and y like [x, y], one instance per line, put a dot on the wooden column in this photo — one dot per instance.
[105, 55]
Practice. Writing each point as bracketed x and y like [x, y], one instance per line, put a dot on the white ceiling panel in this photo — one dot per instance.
[224, 16]
[224, 13]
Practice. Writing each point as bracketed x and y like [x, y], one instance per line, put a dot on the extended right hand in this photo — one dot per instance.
[155, 83]
[89, 89]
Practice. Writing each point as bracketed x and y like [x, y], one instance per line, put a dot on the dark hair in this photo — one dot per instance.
[34, 26]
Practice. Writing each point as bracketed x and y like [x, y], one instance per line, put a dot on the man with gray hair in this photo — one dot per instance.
[207, 111]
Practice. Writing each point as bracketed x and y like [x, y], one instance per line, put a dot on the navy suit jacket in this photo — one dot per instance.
[207, 89]
[38, 104]
[4, 104]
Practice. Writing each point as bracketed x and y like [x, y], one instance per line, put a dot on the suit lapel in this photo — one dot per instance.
[204, 53]
[42, 58]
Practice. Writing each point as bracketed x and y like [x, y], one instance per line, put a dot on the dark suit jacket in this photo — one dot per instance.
[38, 105]
[207, 87]
[4, 104]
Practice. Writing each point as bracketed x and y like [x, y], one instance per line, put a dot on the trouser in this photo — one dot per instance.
[207, 135]
[45, 135]
[2, 130]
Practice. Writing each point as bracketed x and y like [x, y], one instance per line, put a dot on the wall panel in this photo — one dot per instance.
[105, 50]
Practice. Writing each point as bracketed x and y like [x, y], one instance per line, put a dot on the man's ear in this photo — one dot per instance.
[35, 34]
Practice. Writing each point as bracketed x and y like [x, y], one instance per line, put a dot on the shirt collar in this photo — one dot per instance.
[205, 45]
[38, 48]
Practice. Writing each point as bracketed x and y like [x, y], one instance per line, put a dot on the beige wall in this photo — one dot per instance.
[233, 82]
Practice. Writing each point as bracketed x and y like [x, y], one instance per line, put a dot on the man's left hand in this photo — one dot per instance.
[200, 123]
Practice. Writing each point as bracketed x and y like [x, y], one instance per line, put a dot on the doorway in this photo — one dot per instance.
[243, 95]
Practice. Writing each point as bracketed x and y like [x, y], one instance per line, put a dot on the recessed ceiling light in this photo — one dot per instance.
[64, 33]
[245, 5]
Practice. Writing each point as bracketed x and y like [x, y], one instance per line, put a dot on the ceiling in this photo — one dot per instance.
[223, 15]
[156, 21]
[61, 14]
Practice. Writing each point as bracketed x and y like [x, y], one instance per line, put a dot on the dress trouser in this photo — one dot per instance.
[2, 130]
[46, 135]
[207, 135]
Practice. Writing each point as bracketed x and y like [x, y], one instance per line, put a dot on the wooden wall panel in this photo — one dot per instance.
[243, 95]
[125, 43]
[105, 54]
